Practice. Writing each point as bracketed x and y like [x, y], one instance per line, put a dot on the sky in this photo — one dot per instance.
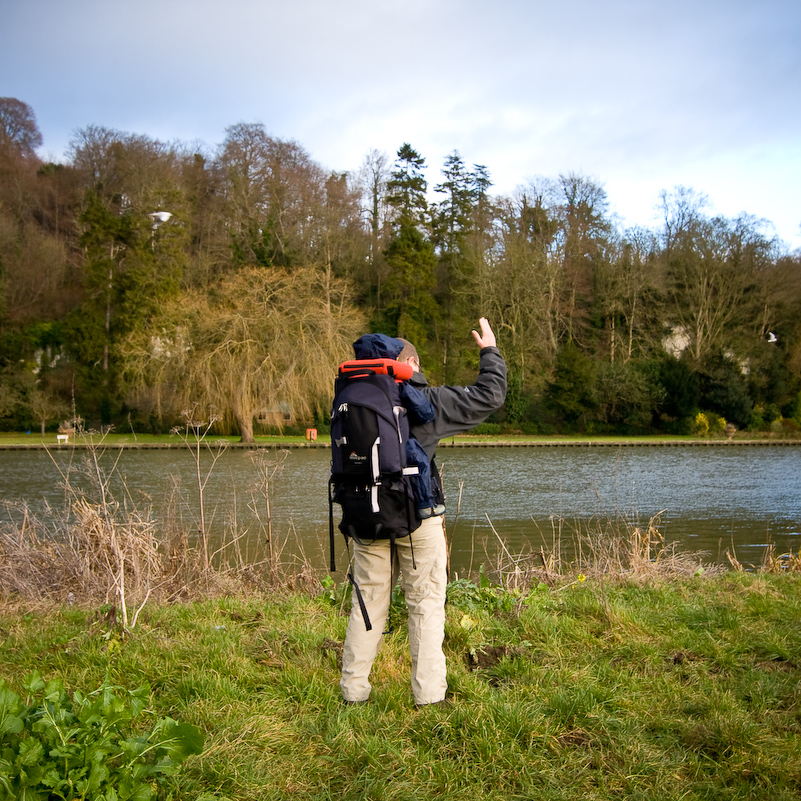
[639, 96]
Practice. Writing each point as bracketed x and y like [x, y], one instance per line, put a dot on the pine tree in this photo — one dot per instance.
[407, 188]
[410, 310]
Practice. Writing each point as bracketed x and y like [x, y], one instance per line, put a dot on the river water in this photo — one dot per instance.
[707, 498]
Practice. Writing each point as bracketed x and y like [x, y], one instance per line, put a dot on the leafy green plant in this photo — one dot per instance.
[54, 746]
[483, 595]
[329, 589]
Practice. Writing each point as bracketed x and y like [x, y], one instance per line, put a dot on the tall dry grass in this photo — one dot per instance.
[771, 562]
[602, 548]
[100, 548]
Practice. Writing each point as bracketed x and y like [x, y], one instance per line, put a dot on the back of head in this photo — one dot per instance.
[408, 351]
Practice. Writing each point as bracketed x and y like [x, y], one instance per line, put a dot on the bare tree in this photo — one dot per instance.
[45, 406]
[518, 282]
[129, 172]
[273, 190]
[716, 271]
[18, 128]
[375, 211]
[582, 212]
[681, 209]
[624, 284]
[372, 182]
[263, 339]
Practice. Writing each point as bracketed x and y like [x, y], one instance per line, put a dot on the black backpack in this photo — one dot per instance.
[369, 476]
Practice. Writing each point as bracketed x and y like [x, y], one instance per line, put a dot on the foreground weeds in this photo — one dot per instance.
[103, 546]
[661, 690]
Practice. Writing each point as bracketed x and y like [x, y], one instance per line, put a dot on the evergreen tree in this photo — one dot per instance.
[682, 391]
[571, 394]
[452, 217]
[452, 224]
[410, 310]
[406, 189]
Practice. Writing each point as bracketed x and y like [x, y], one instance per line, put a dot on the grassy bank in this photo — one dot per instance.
[117, 440]
[130, 440]
[664, 690]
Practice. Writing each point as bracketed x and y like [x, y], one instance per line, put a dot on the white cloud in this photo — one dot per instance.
[638, 94]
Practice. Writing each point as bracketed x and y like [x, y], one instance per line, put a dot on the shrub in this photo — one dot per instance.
[700, 424]
[767, 419]
[756, 421]
[488, 429]
[794, 410]
[784, 427]
[84, 747]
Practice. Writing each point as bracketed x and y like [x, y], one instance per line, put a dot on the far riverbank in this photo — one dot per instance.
[23, 441]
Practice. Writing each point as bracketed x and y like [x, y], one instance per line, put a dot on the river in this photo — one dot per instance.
[708, 499]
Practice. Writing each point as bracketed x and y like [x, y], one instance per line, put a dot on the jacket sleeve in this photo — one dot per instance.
[459, 409]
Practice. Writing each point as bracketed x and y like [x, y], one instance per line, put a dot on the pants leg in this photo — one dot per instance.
[372, 572]
[424, 585]
[423, 567]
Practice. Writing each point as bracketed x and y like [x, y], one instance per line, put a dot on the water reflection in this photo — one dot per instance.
[709, 498]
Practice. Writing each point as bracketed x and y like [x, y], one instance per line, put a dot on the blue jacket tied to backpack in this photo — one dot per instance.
[377, 346]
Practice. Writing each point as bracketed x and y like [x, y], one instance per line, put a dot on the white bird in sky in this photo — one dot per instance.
[159, 217]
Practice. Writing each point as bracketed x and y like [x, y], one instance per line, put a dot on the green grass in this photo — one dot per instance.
[35, 440]
[685, 690]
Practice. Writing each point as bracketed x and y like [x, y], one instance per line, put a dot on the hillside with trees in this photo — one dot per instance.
[140, 279]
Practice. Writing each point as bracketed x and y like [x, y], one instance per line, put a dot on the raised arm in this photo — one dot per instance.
[459, 409]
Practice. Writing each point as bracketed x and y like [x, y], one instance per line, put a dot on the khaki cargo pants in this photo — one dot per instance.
[424, 589]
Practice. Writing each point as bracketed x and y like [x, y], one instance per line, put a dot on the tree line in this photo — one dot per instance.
[141, 281]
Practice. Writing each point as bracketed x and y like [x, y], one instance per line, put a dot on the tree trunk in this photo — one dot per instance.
[246, 429]
[242, 411]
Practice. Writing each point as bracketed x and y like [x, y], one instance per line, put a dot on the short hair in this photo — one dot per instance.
[409, 351]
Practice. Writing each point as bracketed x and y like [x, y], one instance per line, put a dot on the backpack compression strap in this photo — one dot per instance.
[361, 368]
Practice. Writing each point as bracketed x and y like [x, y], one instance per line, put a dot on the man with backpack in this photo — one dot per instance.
[421, 557]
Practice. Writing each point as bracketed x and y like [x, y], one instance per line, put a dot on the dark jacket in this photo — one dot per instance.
[458, 409]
